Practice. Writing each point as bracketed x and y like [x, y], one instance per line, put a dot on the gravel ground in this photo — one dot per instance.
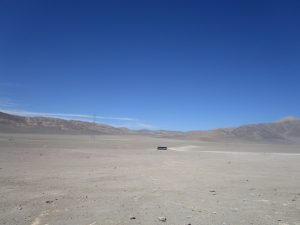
[122, 180]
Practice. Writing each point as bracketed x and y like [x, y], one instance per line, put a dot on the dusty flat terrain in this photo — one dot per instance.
[79, 180]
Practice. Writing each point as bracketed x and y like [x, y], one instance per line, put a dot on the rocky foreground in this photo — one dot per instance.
[111, 180]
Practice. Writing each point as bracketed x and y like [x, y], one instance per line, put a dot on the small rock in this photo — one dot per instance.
[212, 190]
[162, 219]
[48, 201]
[214, 212]
[132, 218]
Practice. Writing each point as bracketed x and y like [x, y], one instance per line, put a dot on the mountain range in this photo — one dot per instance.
[286, 130]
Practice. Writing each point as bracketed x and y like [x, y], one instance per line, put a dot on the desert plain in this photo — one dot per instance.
[124, 180]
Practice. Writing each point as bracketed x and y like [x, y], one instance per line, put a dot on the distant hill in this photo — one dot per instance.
[45, 125]
[286, 130]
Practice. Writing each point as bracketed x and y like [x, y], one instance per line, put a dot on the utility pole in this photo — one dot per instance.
[93, 135]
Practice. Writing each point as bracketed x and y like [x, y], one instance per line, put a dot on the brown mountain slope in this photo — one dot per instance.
[45, 125]
[286, 130]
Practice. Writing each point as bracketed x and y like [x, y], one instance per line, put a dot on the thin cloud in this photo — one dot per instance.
[67, 115]
[7, 103]
[135, 125]
[130, 123]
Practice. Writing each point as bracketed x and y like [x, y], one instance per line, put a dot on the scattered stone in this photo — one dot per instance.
[234, 209]
[214, 212]
[212, 190]
[162, 219]
[49, 201]
[132, 218]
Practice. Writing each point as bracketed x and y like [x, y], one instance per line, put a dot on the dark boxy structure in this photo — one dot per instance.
[162, 148]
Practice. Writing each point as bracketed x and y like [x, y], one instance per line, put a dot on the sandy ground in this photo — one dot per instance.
[80, 180]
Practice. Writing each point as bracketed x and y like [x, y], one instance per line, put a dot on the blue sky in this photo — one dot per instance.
[179, 65]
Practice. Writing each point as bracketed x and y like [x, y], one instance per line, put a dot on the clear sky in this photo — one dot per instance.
[180, 65]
